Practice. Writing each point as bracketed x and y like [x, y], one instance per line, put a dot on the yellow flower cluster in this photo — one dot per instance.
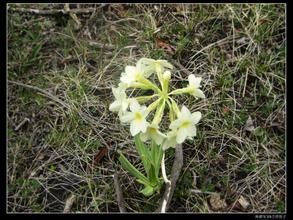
[130, 110]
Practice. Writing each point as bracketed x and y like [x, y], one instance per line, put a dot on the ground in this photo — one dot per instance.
[62, 66]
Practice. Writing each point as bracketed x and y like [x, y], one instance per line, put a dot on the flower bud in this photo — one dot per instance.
[167, 75]
[166, 80]
[159, 113]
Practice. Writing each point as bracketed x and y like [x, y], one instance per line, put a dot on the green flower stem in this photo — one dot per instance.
[166, 81]
[175, 107]
[138, 85]
[159, 73]
[159, 113]
[154, 105]
[181, 91]
[143, 99]
[171, 112]
[148, 83]
[163, 168]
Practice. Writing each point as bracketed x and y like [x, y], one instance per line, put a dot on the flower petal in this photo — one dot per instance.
[134, 106]
[198, 93]
[191, 131]
[144, 110]
[196, 116]
[130, 70]
[122, 86]
[194, 81]
[170, 141]
[185, 113]
[181, 135]
[175, 124]
[134, 128]
[115, 106]
[115, 92]
[158, 138]
[127, 117]
[165, 145]
[143, 125]
[165, 64]
[144, 136]
[125, 80]
[124, 105]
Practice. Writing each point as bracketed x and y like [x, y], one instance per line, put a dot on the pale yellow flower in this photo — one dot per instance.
[185, 124]
[170, 140]
[121, 102]
[150, 65]
[130, 75]
[194, 85]
[153, 133]
[136, 118]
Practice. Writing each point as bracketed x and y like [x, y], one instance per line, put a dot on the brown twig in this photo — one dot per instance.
[21, 124]
[68, 203]
[169, 190]
[181, 67]
[72, 15]
[100, 45]
[119, 194]
[53, 11]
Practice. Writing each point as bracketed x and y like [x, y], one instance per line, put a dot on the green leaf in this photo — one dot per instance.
[159, 159]
[157, 154]
[147, 191]
[152, 177]
[154, 156]
[259, 131]
[132, 170]
[143, 153]
[35, 51]
[153, 152]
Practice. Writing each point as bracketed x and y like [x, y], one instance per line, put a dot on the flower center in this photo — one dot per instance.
[185, 124]
[191, 88]
[164, 95]
[138, 75]
[152, 130]
[138, 116]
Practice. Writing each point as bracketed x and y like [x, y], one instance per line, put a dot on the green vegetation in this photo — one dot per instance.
[60, 77]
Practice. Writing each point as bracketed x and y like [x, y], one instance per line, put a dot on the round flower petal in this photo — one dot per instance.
[170, 141]
[194, 81]
[181, 135]
[134, 105]
[115, 106]
[144, 136]
[185, 112]
[127, 117]
[158, 138]
[175, 124]
[134, 128]
[191, 131]
[196, 116]
[198, 93]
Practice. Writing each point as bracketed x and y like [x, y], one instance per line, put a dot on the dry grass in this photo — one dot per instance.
[65, 71]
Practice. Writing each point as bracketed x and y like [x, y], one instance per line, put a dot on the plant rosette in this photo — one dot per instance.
[144, 113]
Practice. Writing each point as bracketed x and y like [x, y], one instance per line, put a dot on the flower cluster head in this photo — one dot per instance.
[145, 113]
